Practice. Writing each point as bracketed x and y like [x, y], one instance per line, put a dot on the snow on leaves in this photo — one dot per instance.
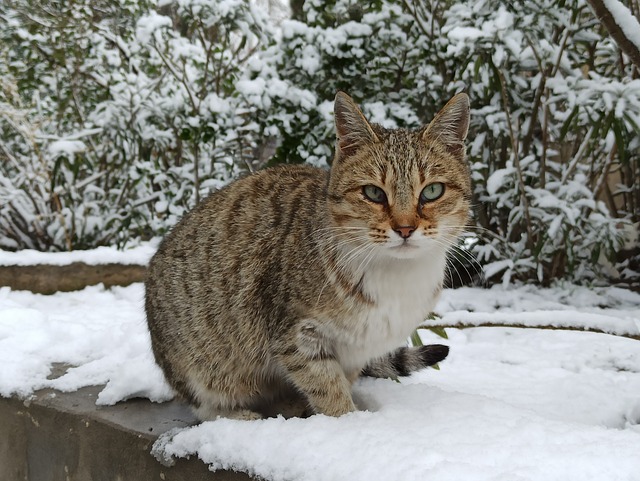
[180, 96]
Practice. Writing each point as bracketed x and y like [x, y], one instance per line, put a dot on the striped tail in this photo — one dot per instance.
[405, 360]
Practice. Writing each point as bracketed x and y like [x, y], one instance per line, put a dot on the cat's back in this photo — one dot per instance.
[248, 210]
[238, 238]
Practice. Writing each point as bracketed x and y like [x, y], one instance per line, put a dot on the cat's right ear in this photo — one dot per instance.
[352, 128]
[451, 125]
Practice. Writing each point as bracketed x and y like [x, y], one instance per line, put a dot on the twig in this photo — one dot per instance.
[516, 161]
[522, 326]
[579, 154]
[605, 171]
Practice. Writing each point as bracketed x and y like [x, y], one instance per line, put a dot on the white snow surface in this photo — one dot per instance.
[138, 255]
[508, 404]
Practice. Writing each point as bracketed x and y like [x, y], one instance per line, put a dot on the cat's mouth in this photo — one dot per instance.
[405, 244]
[404, 250]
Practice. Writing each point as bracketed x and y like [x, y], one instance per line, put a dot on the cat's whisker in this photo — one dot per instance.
[473, 262]
[451, 246]
[352, 240]
[343, 259]
[341, 227]
[366, 260]
[476, 229]
[334, 242]
[450, 271]
[354, 253]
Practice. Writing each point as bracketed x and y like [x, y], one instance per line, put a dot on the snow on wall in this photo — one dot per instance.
[139, 255]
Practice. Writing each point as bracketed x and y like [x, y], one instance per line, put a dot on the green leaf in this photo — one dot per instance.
[619, 133]
[568, 124]
[439, 331]
[415, 339]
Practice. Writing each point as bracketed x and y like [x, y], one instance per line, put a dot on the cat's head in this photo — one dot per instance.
[401, 193]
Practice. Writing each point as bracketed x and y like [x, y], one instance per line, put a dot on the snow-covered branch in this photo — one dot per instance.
[621, 24]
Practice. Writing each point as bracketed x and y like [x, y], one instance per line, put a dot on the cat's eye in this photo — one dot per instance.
[374, 194]
[432, 192]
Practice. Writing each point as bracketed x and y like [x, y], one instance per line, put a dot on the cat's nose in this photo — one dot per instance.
[405, 230]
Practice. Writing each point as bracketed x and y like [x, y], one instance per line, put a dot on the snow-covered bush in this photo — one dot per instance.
[115, 121]
[118, 115]
[370, 50]
[554, 112]
[53, 188]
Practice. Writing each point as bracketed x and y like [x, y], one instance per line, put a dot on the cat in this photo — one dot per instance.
[293, 281]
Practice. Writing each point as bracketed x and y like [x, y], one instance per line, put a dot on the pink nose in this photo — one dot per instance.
[405, 230]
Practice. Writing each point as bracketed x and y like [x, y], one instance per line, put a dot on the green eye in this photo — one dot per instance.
[374, 194]
[432, 192]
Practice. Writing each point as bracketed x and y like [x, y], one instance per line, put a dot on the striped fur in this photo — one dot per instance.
[405, 360]
[285, 284]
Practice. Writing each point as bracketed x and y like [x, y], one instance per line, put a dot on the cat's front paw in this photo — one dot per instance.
[337, 409]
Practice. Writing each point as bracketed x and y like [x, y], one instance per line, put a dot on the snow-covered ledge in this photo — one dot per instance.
[48, 279]
[66, 437]
[49, 272]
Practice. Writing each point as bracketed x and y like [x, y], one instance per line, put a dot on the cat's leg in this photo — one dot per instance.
[405, 360]
[281, 398]
[209, 404]
[323, 383]
[313, 369]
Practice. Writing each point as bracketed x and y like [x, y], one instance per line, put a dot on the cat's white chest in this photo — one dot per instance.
[403, 294]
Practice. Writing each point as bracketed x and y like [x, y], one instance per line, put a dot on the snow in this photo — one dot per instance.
[497, 179]
[148, 26]
[138, 255]
[100, 333]
[625, 19]
[66, 147]
[508, 404]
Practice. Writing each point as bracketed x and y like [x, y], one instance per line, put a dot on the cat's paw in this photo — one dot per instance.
[337, 409]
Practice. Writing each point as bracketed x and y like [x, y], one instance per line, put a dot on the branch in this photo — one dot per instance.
[516, 162]
[621, 34]
[522, 326]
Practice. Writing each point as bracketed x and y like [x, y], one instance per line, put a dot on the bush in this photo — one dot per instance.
[113, 124]
[554, 112]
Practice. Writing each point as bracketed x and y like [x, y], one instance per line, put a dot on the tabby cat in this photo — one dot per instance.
[291, 282]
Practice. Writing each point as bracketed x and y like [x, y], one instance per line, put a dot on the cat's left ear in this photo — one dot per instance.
[450, 125]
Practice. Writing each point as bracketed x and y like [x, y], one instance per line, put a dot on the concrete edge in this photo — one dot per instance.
[48, 279]
[66, 437]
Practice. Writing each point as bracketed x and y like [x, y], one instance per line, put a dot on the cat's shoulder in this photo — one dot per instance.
[272, 180]
[277, 175]
[289, 172]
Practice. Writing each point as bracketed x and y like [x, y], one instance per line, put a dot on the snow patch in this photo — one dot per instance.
[138, 255]
[508, 404]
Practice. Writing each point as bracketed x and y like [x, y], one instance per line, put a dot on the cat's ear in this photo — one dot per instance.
[450, 125]
[352, 128]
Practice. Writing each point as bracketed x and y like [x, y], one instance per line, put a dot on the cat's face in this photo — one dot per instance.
[399, 193]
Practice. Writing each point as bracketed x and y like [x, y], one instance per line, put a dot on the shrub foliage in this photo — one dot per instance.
[116, 116]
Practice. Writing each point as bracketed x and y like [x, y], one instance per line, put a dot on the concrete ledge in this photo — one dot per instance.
[47, 279]
[66, 437]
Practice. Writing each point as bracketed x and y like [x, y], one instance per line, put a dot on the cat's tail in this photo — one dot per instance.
[405, 360]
